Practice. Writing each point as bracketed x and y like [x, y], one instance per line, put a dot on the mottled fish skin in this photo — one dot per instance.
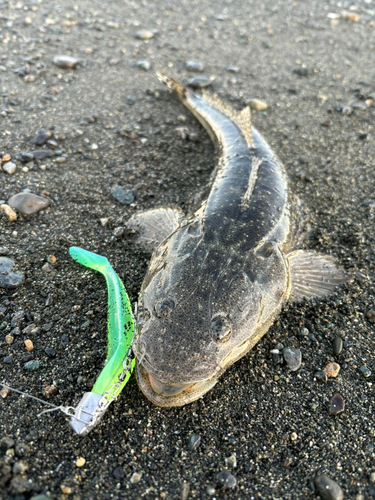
[215, 284]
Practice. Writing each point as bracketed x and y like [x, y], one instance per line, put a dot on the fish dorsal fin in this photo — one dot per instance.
[241, 118]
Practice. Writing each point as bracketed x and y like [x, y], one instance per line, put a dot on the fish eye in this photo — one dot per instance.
[220, 328]
[164, 307]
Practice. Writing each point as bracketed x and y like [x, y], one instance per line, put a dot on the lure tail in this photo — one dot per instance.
[88, 259]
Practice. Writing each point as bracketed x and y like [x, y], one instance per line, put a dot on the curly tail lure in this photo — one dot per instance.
[119, 363]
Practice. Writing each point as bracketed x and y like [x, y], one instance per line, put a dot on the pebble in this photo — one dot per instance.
[136, 477]
[50, 390]
[124, 197]
[145, 65]
[9, 167]
[9, 213]
[118, 231]
[293, 358]
[256, 104]
[233, 69]
[144, 35]
[351, 17]
[210, 490]
[118, 472]
[24, 156]
[194, 441]
[80, 462]
[20, 484]
[321, 376]
[327, 488]
[336, 405]
[199, 82]
[365, 371]
[327, 123]
[372, 477]
[8, 277]
[41, 137]
[20, 467]
[195, 66]
[29, 345]
[65, 62]
[66, 490]
[32, 366]
[300, 71]
[337, 346]
[6, 443]
[226, 480]
[332, 370]
[40, 154]
[7, 360]
[9, 339]
[50, 351]
[231, 461]
[28, 203]
[21, 449]
[29, 78]
[4, 392]
[185, 490]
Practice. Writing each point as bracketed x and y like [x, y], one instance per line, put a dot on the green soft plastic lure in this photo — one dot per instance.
[119, 363]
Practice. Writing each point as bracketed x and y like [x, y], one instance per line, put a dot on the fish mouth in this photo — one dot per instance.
[168, 395]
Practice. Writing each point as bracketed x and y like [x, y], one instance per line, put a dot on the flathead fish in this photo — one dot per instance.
[219, 275]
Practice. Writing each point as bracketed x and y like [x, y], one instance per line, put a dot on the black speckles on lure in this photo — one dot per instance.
[219, 275]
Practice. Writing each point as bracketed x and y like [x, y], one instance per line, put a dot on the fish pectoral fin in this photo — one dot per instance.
[313, 275]
[153, 226]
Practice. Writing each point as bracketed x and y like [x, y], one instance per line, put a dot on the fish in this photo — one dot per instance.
[219, 275]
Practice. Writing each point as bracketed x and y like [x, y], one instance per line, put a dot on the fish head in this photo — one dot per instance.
[195, 320]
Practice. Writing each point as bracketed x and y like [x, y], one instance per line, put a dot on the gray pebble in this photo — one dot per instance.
[199, 82]
[20, 484]
[365, 371]
[300, 71]
[231, 461]
[4, 251]
[336, 405]
[9, 167]
[124, 197]
[32, 366]
[233, 69]
[65, 62]
[195, 66]
[17, 318]
[10, 278]
[7, 360]
[328, 489]
[28, 203]
[41, 137]
[40, 154]
[293, 358]
[226, 480]
[194, 441]
[118, 231]
[145, 65]
[118, 472]
[21, 449]
[6, 443]
[25, 156]
[337, 346]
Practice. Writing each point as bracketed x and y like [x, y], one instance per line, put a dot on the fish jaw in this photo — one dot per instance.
[187, 395]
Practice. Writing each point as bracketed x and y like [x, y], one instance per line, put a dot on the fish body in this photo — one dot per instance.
[219, 276]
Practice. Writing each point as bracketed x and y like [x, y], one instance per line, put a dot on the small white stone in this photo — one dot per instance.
[9, 167]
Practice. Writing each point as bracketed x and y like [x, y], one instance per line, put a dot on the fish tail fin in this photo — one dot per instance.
[172, 84]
